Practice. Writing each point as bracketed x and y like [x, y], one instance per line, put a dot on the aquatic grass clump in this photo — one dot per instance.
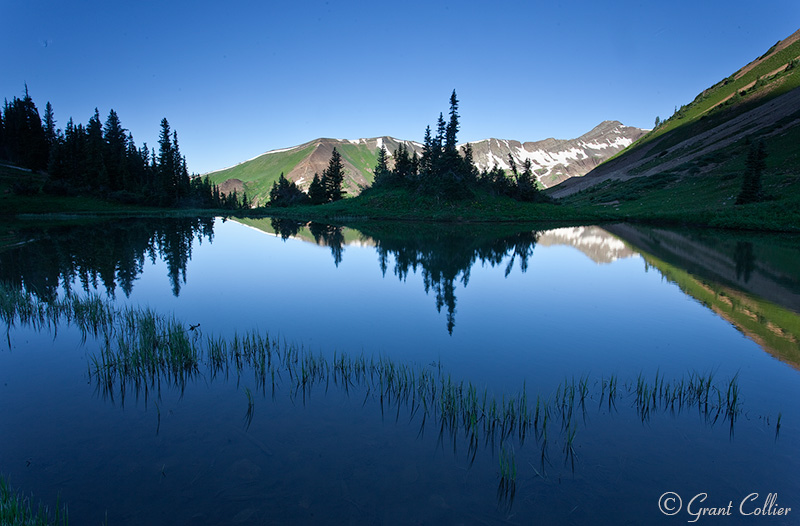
[143, 348]
[507, 488]
[696, 391]
[17, 510]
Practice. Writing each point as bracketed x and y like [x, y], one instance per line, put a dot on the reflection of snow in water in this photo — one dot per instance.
[593, 241]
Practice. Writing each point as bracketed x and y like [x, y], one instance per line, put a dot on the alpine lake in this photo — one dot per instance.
[266, 371]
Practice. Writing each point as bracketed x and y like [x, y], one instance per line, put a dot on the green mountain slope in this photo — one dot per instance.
[694, 162]
[300, 163]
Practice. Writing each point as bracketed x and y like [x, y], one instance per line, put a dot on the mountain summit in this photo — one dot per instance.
[554, 160]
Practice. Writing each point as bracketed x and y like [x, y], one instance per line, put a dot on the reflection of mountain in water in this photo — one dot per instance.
[596, 243]
[111, 253]
[767, 268]
[752, 281]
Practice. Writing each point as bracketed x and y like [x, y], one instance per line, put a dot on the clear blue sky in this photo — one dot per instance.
[236, 79]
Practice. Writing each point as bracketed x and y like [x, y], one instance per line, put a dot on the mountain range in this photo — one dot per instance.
[554, 160]
[688, 168]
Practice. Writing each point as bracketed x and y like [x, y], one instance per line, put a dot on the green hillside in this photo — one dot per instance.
[361, 157]
[771, 75]
[691, 167]
[301, 163]
[258, 174]
[687, 194]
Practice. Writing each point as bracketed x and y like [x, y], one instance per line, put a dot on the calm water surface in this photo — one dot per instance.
[504, 308]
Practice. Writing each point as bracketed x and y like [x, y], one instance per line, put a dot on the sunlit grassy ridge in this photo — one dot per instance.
[691, 167]
[708, 198]
[258, 174]
[725, 99]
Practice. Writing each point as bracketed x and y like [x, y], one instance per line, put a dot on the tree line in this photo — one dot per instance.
[441, 171]
[325, 189]
[101, 159]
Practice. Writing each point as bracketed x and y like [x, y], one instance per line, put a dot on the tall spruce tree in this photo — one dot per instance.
[426, 163]
[165, 185]
[452, 126]
[24, 138]
[333, 176]
[115, 151]
[381, 172]
[49, 126]
[96, 172]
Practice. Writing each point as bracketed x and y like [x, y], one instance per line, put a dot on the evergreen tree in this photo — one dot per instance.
[23, 134]
[469, 164]
[381, 171]
[49, 126]
[333, 176]
[403, 166]
[284, 193]
[513, 165]
[452, 127]
[135, 166]
[527, 190]
[316, 192]
[180, 176]
[426, 162]
[70, 158]
[436, 151]
[754, 167]
[116, 150]
[2, 136]
[165, 184]
[96, 174]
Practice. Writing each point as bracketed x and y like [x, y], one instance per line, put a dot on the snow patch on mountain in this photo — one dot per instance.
[555, 160]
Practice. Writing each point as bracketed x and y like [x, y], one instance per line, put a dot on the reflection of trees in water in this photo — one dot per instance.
[444, 254]
[109, 254]
[745, 260]
[330, 236]
[448, 258]
[286, 228]
[327, 235]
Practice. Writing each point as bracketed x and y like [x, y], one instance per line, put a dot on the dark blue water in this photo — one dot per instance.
[504, 308]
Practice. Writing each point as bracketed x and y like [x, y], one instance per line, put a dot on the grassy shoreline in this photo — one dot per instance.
[650, 200]
[781, 215]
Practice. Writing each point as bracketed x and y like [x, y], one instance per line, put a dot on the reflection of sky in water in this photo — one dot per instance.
[567, 316]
